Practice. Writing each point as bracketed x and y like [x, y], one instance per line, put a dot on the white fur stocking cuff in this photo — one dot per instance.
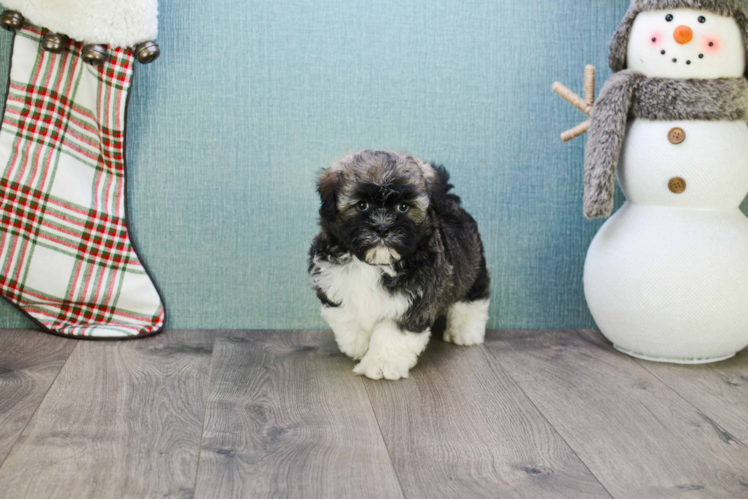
[119, 23]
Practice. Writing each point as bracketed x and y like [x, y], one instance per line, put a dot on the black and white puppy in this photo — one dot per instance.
[396, 251]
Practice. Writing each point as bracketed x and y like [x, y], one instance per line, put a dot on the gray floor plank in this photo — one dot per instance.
[123, 419]
[29, 363]
[638, 436]
[459, 427]
[286, 418]
[720, 390]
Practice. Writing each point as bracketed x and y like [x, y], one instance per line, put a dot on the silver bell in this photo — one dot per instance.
[147, 52]
[94, 54]
[11, 20]
[54, 42]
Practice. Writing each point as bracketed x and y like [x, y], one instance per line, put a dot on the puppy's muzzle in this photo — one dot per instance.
[382, 255]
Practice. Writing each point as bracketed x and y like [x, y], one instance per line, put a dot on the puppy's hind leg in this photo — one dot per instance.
[392, 352]
[352, 340]
[466, 320]
[466, 323]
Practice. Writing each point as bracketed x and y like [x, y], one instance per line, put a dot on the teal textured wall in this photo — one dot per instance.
[250, 99]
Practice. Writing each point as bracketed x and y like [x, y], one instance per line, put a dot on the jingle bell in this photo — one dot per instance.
[54, 42]
[147, 52]
[94, 54]
[11, 20]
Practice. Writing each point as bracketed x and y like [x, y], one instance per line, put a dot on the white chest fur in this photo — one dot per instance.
[357, 287]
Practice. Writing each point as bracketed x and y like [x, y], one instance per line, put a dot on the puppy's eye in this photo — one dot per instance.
[362, 206]
[669, 18]
[403, 208]
[702, 19]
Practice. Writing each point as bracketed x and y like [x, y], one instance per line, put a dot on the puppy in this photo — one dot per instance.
[396, 250]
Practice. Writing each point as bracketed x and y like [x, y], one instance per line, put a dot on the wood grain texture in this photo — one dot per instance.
[720, 390]
[29, 363]
[636, 435]
[459, 427]
[123, 419]
[287, 418]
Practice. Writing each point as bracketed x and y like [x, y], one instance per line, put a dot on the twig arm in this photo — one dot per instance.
[589, 85]
[577, 131]
[572, 98]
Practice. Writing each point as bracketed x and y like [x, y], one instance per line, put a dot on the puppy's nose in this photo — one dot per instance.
[383, 230]
[683, 34]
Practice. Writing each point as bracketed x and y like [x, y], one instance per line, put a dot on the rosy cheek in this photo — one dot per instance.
[656, 39]
[711, 45]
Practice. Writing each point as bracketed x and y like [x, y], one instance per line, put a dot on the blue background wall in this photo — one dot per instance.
[250, 99]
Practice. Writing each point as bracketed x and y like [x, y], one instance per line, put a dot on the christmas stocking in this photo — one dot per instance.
[66, 255]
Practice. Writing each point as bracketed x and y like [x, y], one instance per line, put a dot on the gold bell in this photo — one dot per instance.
[94, 54]
[54, 42]
[11, 20]
[147, 52]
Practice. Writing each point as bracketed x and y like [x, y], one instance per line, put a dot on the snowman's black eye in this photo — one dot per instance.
[669, 18]
[702, 19]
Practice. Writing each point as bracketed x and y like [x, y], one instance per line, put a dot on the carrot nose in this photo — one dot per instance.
[683, 34]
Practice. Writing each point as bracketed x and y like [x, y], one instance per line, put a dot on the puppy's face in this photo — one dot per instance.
[376, 203]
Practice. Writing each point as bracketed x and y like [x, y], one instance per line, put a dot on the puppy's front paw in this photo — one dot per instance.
[376, 368]
[354, 347]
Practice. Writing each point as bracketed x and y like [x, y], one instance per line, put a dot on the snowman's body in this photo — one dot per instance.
[666, 278]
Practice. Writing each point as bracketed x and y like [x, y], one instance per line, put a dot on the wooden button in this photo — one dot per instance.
[677, 185]
[676, 135]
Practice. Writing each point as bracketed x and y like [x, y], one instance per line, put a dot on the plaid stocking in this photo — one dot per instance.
[66, 258]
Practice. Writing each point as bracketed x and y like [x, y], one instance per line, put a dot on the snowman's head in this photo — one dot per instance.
[683, 39]
[685, 44]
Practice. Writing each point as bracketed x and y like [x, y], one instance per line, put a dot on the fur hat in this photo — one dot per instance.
[737, 9]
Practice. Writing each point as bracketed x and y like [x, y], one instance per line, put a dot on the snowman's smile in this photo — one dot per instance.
[686, 60]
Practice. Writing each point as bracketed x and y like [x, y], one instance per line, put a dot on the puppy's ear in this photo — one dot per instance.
[327, 187]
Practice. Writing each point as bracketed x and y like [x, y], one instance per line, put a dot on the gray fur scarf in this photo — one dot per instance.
[628, 93]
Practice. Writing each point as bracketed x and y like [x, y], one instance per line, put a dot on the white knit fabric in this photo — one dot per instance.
[713, 160]
[671, 283]
[119, 23]
[667, 276]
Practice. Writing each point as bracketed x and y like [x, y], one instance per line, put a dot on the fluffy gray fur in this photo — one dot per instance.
[630, 93]
[618, 46]
[606, 134]
[663, 99]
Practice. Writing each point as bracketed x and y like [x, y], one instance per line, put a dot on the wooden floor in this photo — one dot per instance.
[279, 414]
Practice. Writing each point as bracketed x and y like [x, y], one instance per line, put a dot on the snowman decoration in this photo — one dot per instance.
[666, 277]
